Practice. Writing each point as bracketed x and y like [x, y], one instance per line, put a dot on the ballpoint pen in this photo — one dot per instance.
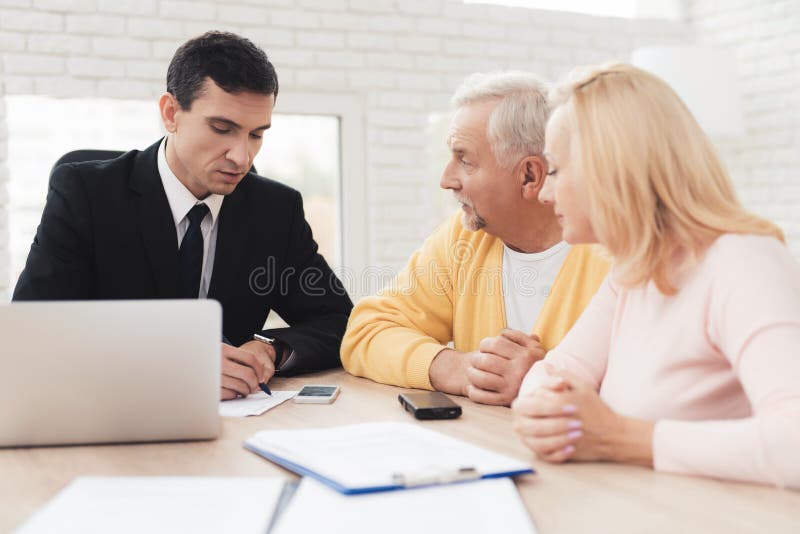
[269, 341]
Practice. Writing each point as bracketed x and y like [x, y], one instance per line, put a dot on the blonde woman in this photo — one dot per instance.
[688, 357]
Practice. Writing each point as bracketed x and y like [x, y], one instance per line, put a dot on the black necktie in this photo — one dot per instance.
[191, 253]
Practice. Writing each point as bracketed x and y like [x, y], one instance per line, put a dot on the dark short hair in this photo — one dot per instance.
[234, 63]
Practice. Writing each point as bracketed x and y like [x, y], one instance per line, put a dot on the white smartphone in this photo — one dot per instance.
[317, 395]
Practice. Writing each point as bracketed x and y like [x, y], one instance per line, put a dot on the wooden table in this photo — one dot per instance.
[567, 498]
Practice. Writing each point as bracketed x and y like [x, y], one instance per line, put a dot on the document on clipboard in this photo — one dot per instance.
[371, 457]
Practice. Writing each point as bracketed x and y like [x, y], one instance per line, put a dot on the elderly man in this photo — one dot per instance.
[497, 281]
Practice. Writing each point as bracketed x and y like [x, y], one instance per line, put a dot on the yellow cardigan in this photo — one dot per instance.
[452, 291]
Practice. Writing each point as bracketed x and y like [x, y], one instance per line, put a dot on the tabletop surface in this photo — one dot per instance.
[591, 497]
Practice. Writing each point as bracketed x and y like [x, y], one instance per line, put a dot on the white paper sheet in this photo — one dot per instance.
[253, 404]
[471, 507]
[125, 505]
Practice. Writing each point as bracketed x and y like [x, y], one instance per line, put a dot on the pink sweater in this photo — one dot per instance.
[716, 366]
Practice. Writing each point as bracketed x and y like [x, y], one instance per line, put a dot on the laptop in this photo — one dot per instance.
[109, 371]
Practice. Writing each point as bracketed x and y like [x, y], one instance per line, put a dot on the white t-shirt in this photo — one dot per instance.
[527, 279]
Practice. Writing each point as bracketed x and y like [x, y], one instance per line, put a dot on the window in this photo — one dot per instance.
[631, 9]
[302, 151]
[439, 156]
[42, 129]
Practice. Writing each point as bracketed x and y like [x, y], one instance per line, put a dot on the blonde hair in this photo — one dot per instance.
[516, 126]
[657, 189]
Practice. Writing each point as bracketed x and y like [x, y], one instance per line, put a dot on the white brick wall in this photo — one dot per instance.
[5, 255]
[401, 58]
[765, 163]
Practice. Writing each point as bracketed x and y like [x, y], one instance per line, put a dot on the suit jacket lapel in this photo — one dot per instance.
[156, 222]
[232, 239]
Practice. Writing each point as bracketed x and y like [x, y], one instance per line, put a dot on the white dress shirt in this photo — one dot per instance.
[181, 200]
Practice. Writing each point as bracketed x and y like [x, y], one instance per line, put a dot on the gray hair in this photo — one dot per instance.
[516, 126]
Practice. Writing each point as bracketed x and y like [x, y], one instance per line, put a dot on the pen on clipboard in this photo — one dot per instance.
[269, 341]
[411, 480]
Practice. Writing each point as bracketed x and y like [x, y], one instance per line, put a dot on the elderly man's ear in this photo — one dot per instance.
[532, 174]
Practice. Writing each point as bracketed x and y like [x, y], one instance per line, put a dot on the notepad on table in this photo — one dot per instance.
[478, 507]
[90, 505]
[372, 457]
[253, 404]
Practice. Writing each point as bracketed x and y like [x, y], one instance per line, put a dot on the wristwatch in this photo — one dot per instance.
[280, 348]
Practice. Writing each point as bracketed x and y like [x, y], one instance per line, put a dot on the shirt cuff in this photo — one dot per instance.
[283, 353]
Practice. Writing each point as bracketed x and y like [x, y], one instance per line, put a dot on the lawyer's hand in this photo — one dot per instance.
[242, 370]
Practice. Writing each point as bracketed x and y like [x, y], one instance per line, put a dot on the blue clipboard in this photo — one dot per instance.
[399, 482]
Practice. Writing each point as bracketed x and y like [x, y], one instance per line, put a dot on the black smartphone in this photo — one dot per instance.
[429, 405]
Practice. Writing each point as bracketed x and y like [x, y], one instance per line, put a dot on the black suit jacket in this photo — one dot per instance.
[107, 232]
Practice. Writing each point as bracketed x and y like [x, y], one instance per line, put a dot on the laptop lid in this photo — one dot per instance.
[109, 371]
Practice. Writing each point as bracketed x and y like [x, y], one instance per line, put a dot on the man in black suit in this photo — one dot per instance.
[186, 218]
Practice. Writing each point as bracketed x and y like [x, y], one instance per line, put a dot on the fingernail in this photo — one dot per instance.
[569, 449]
[575, 434]
[575, 423]
[569, 408]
